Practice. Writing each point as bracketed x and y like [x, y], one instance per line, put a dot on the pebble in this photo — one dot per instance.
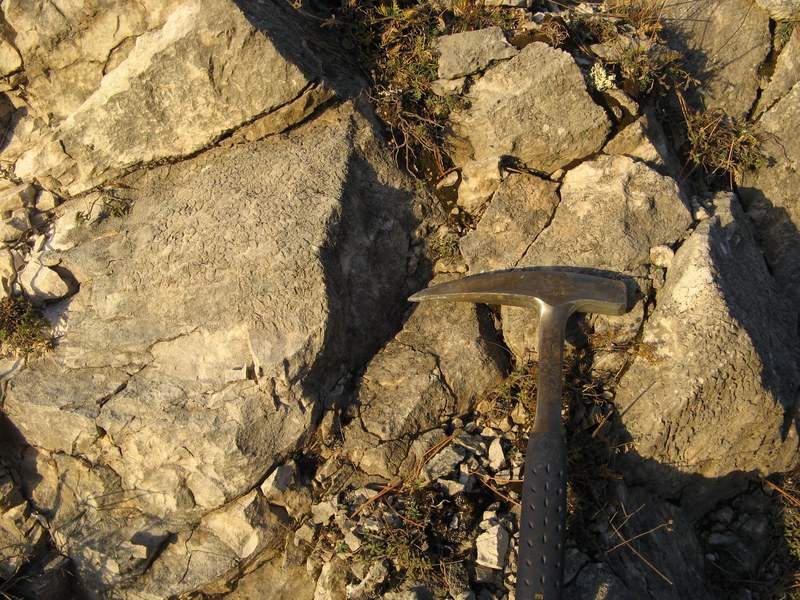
[497, 458]
[492, 547]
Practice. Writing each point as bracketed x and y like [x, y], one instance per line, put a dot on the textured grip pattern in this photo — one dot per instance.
[540, 562]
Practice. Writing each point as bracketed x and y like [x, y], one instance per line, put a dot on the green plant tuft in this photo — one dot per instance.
[23, 329]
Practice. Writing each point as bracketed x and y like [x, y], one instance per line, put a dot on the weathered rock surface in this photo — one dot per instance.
[785, 76]
[781, 10]
[612, 211]
[435, 369]
[306, 238]
[717, 397]
[770, 194]
[724, 44]
[520, 209]
[130, 87]
[466, 53]
[540, 90]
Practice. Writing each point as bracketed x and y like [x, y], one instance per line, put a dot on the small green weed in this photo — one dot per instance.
[23, 330]
[447, 247]
[783, 32]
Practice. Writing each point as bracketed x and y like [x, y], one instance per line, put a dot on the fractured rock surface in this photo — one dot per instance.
[770, 193]
[133, 86]
[140, 385]
[540, 90]
[717, 396]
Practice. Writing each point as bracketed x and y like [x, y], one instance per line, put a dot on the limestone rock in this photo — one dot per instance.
[435, 368]
[332, 582]
[718, 395]
[770, 194]
[10, 60]
[520, 209]
[134, 86]
[305, 237]
[785, 76]
[540, 90]
[20, 196]
[781, 10]
[47, 579]
[612, 211]
[492, 547]
[15, 225]
[645, 140]
[704, 32]
[43, 284]
[466, 53]
[479, 180]
[22, 536]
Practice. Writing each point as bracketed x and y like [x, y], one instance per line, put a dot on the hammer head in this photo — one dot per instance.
[534, 289]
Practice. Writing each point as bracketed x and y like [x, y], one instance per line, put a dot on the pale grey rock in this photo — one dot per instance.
[612, 211]
[466, 53]
[378, 573]
[704, 31]
[770, 194]
[492, 547]
[661, 256]
[785, 76]
[448, 87]
[192, 71]
[781, 10]
[445, 463]
[521, 208]
[12, 227]
[292, 229]
[436, 368]
[479, 180]
[540, 90]
[724, 344]
[497, 458]
[42, 284]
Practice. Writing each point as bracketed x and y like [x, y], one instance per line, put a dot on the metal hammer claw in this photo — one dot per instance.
[556, 295]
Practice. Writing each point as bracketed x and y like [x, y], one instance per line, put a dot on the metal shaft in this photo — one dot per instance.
[540, 561]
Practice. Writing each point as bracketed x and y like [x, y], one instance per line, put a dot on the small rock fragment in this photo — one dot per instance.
[471, 51]
[497, 458]
[46, 201]
[17, 197]
[661, 256]
[15, 225]
[479, 181]
[492, 547]
[42, 284]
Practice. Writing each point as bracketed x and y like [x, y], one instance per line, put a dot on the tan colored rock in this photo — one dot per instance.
[479, 180]
[717, 394]
[540, 90]
[785, 76]
[520, 209]
[10, 60]
[781, 10]
[191, 77]
[612, 211]
[20, 196]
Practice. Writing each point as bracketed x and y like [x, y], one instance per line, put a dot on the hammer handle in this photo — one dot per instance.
[540, 561]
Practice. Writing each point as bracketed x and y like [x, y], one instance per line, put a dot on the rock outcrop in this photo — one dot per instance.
[714, 396]
[181, 403]
[541, 89]
[121, 87]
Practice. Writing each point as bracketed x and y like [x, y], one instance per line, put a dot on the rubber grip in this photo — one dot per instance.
[540, 560]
